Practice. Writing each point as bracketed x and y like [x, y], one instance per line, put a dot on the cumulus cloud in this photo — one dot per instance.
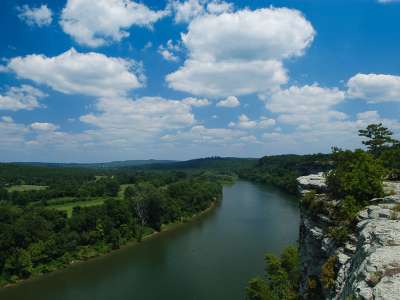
[186, 11]
[130, 121]
[25, 97]
[266, 122]
[375, 88]
[219, 7]
[11, 134]
[39, 16]
[38, 126]
[230, 102]
[196, 102]
[244, 122]
[72, 72]
[221, 79]
[229, 54]
[199, 134]
[306, 105]
[96, 23]
[169, 52]
[306, 99]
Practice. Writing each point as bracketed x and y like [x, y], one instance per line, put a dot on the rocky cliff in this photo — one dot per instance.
[367, 266]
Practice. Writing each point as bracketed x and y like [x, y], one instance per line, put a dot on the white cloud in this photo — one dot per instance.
[169, 52]
[96, 23]
[375, 88]
[219, 7]
[186, 11]
[230, 101]
[308, 99]
[39, 16]
[23, 97]
[132, 121]
[7, 119]
[242, 52]
[196, 102]
[244, 122]
[38, 126]
[199, 134]
[266, 122]
[238, 36]
[368, 116]
[72, 72]
[306, 106]
[221, 79]
[11, 134]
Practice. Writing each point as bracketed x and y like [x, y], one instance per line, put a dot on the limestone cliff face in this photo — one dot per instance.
[368, 265]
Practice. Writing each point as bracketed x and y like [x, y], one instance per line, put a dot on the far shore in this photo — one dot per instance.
[164, 229]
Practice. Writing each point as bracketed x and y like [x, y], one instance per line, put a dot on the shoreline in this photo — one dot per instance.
[166, 228]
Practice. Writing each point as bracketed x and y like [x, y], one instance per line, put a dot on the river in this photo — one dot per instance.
[209, 258]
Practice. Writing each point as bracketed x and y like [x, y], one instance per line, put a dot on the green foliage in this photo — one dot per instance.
[328, 272]
[378, 138]
[312, 204]
[283, 170]
[340, 233]
[390, 159]
[355, 174]
[257, 289]
[281, 279]
[36, 239]
[348, 209]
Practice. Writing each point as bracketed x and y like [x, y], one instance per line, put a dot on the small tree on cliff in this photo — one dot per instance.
[378, 137]
[356, 174]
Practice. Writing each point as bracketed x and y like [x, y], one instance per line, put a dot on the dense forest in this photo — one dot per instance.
[283, 170]
[37, 235]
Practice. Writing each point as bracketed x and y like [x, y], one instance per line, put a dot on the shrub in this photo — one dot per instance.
[390, 159]
[356, 174]
[308, 199]
[348, 209]
[339, 233]
[257, 289]
[281, 280]
[328, 273]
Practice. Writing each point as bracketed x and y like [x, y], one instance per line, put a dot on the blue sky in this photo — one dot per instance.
[87, 81]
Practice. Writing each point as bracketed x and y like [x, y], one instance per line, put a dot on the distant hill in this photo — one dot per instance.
[214, 163]
[229, 164]
[105, 165]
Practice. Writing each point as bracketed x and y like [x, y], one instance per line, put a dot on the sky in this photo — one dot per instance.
[104, 80]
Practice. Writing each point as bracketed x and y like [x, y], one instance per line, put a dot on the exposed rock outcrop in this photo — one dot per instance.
[368, 265]
[312, 182]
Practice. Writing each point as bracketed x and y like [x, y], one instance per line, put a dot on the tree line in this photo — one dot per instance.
[36, 239]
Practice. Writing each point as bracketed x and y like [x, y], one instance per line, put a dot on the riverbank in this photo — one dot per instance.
[97, 252]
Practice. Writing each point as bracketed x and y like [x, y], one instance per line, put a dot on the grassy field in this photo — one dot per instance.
[68, 203]
[68, 207]
[26, 187]
[122, 189]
